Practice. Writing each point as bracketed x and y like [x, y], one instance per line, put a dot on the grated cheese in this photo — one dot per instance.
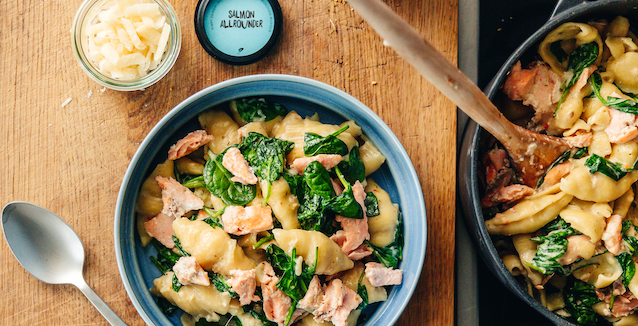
[128, 38]
[67, 101]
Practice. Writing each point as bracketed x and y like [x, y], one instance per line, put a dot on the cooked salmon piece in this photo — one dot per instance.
[361, 252]
[379, 275]
[625, 302]
[580, 139]
[189, 144]
[623, 126]
[276, 302]
[354, 231]
[240, 220]
[236, 164]
[188, 271]
[612, 237]
[512, 193]
[160, 227]
[578, 246]
[538, 87]
[498, 174]
[244, 284]
[554, 175]
[312, 299]
[337, 303]
[177, 199]
[327, 160]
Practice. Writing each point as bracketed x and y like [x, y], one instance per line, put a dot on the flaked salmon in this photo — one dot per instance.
[512, 193]
[177, 199]
[239, 220]
[244, 284]
[554, 175]
[623, 126]
[313, 297]
[327, 160]
[625, 303]
[276, 302]
[160, 227]
[236, 164]
[189, 144]
[354, 231]
[612, 237]
[578, 246]
[188, 271]
[538, 87]
[337, 303]
[379, 275]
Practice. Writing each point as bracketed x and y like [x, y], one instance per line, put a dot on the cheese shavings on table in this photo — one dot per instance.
[127, 39]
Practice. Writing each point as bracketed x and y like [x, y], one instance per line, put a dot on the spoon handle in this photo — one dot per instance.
[101, 306]
[428, 61]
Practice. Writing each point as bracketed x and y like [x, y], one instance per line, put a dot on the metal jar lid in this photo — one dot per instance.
[238, 32]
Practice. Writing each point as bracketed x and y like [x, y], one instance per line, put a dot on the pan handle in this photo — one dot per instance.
[564, 5]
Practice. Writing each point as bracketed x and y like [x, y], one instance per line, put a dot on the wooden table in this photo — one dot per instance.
[71, 159]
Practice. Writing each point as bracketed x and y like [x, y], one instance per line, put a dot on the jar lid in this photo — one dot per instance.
[238, 32]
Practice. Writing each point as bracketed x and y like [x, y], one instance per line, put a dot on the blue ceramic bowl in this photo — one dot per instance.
[397, 176]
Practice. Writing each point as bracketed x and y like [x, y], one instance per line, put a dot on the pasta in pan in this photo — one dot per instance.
[263, 217]
[575, 233]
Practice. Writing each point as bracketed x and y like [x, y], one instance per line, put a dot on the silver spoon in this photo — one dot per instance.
[48, 248]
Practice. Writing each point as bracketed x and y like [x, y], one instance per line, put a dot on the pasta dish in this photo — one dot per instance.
[262, 217]
[572, 240]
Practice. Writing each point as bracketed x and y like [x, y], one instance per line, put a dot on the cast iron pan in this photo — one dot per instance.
[468, 178]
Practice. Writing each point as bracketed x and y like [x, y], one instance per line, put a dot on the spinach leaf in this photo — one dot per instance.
[552, 246]
[311, 213]
[631, 243]
[292, 285]
[195, 182]
[353, 168]
[581, 152]
[220, 284]
[579, 298]
[628, 267]
[266, 156]
[295, 183]
[166, 258]
[362, 291]
[178, 246]
[314, 144]
[623, 105]
[583, 56]
[176, 285]
[262, 241]
[345, 204]
[596, 163]
[258, 109]
[213, 219]
[217, 181]
[561, 159]
[317, 179]
[391, 255]
[372, 205]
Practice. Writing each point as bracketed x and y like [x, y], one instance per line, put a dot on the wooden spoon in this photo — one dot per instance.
[531, 153]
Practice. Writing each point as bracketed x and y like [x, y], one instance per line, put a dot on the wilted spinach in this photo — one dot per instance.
[258, 109]
[317, 179]
[579, 298]
[314, 144]
[623, 105]
[353, 169]
[220, 284]
[266, 156]
[166, 258]
[362, 291]
[628, 267]
[372, 205]
[553, 246]
[195, 182]
[217, 181]
[391, 255]
[597, 163]
[583, 56]
[175, 284]
[345, 204]
[213, 218]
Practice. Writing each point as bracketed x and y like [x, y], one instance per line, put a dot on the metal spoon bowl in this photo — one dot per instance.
[48, 248]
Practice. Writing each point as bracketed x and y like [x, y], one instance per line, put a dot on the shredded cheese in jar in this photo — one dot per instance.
[128, 38]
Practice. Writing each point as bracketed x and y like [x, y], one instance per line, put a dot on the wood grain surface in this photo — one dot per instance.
[71, 159]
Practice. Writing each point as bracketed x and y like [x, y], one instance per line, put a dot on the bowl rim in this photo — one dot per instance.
[410, 281]
[468, 159]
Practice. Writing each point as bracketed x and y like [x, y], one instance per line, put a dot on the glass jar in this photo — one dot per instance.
[87, 15]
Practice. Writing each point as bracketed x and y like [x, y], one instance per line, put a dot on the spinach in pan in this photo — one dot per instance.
[258, 109]
[218, 181]
[314, 144]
